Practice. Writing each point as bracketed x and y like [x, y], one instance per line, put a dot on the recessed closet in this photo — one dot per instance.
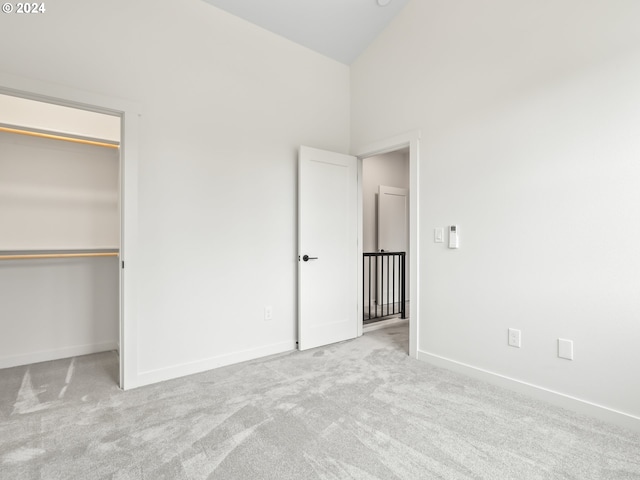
[59, 231]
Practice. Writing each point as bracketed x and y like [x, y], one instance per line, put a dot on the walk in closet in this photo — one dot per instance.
[59, 231]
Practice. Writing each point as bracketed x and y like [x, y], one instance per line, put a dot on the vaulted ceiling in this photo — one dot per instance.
[340, 29]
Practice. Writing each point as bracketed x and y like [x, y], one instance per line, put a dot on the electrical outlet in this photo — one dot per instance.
[515, 338]
[268, 313]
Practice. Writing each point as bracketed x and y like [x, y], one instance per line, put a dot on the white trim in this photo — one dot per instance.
[63, 95]
[359, 281]
[411, 140]
[129, 113]
[129, 148]
[569, 402]
[200, 366]
[57, 354]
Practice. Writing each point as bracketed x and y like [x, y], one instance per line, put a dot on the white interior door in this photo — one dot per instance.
[327, 247]
[393, 232]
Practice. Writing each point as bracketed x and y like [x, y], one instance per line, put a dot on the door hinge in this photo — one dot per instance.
[122, 263]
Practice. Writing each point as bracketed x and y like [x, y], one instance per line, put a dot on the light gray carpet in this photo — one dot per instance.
[361, 409]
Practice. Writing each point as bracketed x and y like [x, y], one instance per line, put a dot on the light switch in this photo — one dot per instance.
[565, 348]
[438, 235]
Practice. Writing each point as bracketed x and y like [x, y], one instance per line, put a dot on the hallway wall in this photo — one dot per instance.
[390, 169]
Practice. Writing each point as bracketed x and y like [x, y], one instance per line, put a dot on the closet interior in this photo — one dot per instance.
[59, 231]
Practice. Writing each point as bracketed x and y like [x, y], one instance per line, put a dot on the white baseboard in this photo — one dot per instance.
[199, 366]
[600, 412]
[57, 354]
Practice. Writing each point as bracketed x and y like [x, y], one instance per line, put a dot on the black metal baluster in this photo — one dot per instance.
[364, 266]
[403, 292]
[385, 283]
[382, 286]
[393, 279]
[369, 287]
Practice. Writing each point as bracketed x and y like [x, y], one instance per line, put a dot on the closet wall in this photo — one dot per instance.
[57, 196]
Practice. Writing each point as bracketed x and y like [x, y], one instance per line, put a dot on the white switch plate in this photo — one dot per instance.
[438, 235]
[268, 313]
[565, 348]
[515, 337]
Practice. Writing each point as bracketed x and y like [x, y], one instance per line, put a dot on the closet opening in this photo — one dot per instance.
[60, 247]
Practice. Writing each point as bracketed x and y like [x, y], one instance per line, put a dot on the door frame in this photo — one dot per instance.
[412, 140]
[129, 114]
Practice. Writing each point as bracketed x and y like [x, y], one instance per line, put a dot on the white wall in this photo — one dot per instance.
[57, 308]
[529, 113]
[225, 106]
[58, 195]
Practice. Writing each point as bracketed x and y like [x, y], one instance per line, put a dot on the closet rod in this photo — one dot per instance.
[52, 136]
[36, 256]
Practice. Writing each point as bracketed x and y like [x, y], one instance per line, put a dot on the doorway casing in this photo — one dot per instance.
[129, 113]
[412, 141]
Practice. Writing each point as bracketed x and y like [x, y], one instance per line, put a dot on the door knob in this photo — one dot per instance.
[306, 258]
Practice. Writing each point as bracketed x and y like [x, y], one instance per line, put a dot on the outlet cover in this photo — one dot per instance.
[268, 313]
[565, 348]
[515, 338]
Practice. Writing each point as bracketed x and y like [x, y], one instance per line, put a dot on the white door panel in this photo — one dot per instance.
[327, 233]
[393, 231]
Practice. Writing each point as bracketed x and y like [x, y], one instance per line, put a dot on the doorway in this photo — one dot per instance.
[385, 187]
[409, 143]
[127, 114]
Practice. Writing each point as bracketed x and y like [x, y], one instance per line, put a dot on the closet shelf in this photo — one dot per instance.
[56, 254]
[58, 136]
